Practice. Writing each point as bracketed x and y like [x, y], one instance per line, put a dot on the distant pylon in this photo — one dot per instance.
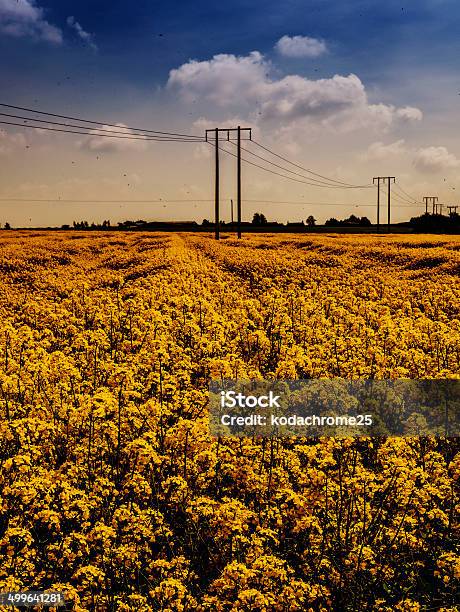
[432, 200]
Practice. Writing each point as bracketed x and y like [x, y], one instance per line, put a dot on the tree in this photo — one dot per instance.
[332, 222]
[259, 219]
[7, 226]
[364, 221]
[352, 219]
[311, 221]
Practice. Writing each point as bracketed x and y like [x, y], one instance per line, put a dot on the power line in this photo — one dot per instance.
[187, 201]
[93, 130]
[406, 203]
[145, 138]
[403, 198]
[305, 169]
[96, 201]
[317, 182]
[408, 195]
[247, 161]
[124, 136]
[32, 110]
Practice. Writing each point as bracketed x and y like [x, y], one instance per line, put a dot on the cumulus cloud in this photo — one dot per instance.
[102, 144]
[378, 150]
[86, 37]
[225, 79]
[244, 85]
[10, 142]
[24, 18]
[300, 46]
[435, 159]
[409, 113]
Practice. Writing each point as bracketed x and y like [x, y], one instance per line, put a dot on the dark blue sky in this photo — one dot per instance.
[139, 43]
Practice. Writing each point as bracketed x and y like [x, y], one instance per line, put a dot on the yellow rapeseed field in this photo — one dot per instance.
[112, 488]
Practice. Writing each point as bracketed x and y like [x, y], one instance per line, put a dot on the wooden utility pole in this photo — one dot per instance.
[389, 179]
[432, 200]
[238, 180]
[452, 208]
[217, 195]
[378, 179]
[231, 210]
[215, 132]
[383, 179]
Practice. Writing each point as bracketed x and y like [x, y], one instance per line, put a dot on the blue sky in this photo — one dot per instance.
[113, 60]
[139, 44]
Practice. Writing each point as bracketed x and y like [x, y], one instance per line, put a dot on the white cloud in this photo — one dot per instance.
[409, 113]
[378, 150]
[86, 37]
[107, 144]
[245, 86]
[300, 46]
[9, 142]
[23, 18]
[295, 97]
[202, 151]
[435, 159]
[224, 80]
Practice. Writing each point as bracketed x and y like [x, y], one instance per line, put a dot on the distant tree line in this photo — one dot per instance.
[86, 225]
[352, 220]
[258, 219]
[436, 223]
[424, 223]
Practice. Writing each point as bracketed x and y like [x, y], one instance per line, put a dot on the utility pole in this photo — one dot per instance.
[215, 132]
[231, 210]
[217, 195]
[378, 179]
[389, 179]
[238, 179]
[452, 208]
[383, 179]
[432, 200]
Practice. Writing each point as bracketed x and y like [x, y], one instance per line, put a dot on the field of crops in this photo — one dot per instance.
[111, 486]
